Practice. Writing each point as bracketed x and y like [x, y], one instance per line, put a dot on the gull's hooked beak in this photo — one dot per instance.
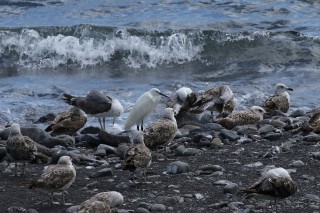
[163, 94]
[290, 89]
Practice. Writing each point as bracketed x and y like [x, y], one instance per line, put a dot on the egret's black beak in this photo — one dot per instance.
[290, 89]
[163, 94]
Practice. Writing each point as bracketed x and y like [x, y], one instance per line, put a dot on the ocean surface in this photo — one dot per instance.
[124, 48]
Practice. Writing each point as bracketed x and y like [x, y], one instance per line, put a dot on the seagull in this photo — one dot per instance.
[220, 99]
[161, 131]
[142, 108]
[68, 122]
[313, 125]
[57, 177]
[276, 183]
[98, 105]
[20, 147]
[137, 155]
[250, 116]
[181, 100]
[280, 100]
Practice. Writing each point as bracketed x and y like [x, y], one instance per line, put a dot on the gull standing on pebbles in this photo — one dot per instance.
[20, 147]
[161, 131]
[250, 116]
[57, 177]
[143, 107]
[137, 155]
[220, 99]
[68, 122]
[276, 183]
[98, 105]
[280, 100]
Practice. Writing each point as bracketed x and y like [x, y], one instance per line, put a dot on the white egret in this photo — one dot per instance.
[144, 105]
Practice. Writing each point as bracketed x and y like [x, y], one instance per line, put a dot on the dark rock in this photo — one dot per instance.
[90, 130]
[182, 151]
[3, 153]
[272, 136]
[93, 140]
[55, 141]
[229, 134]
[112, 140]
[297, 113]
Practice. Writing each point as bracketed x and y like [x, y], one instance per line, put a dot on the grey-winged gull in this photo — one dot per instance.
[137, 156]
[20, 147]
[97, 104]
[143, 107]
[244, 117]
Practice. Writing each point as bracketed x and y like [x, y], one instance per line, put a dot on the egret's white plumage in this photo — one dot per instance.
[144, 105]
[57, 177]
[244, 117]
[162, 131]
[97, 104]
[280, 100]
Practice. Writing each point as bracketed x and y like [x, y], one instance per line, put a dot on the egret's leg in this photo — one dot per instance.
[212, 116]
[142, 125]
[104, 123]
[138, 127]
[100, 122]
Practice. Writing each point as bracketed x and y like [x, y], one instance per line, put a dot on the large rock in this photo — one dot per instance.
[178, 167]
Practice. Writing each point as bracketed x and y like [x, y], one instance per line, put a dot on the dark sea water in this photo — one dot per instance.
[127, 47]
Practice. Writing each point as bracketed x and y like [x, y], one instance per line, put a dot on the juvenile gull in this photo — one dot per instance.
[313, 125]
[250, 116]
[276, 183]
[161, 131]
[57, 177]
[220, 99]
[142, 108]
[280, 100]
[137, 155]
[20, 147]
[68, 122]
[97, 104]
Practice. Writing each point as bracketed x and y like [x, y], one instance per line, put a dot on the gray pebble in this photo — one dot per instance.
[231, 188]
[158, 207]
[178, 167]
[229, 134]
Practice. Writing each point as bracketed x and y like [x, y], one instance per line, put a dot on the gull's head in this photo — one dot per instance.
[65, 160]
[169, 113]
[258, 110]
[137, 137]
[15, 129]
[281, 88]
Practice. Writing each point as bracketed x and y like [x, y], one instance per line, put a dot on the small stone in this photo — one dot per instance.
[231, 188]
[182, 151]
[247, 130]
[178, 167]
[272, 136]
[198, 196]
[297, 113]
[255, 164]
[222, 182]
[297, 163]
[308, 177]
[229, 134]
[158, 207]
[312, 138]
[278, 124]
[142, 210]
[312, 197]
[216, 142]
[266, 129]
[102, 173]
[100, 153]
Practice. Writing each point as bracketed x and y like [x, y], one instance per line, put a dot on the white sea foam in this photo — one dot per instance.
[37, 51]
